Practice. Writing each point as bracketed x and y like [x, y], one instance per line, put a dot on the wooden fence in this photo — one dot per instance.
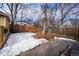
[63, 31]
[25, 28]
[70, 32]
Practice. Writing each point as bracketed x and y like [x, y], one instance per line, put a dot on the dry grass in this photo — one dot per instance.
[50, 36]
[47, 36]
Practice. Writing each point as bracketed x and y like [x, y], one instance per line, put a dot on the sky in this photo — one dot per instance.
[37, 6]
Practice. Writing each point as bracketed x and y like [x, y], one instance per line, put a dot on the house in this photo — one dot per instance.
[4, 28]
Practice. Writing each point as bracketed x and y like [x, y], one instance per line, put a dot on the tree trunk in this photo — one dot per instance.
[44, 27]
[12, 27]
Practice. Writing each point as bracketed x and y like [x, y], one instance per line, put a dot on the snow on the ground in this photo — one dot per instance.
[62, 38]
[20, 42]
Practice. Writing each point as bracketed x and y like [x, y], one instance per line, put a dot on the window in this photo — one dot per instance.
[5, 30]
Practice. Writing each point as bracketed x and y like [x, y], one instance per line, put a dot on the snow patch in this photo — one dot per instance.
[62, 38]
[43, 40]
[20, 42]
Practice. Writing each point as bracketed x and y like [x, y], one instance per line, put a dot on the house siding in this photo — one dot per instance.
[1, 37]
[4, 23]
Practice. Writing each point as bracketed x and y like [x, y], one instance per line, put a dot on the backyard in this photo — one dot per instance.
[42, 29]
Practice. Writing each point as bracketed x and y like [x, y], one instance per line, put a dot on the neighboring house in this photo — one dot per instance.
[4, 28]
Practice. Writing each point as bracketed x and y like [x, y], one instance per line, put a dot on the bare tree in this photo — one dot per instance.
[45, 19]
[13, 9]
[75, 21]
[65, 9]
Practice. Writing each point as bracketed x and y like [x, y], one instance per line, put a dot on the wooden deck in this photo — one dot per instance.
[52, 48]
[75, 49]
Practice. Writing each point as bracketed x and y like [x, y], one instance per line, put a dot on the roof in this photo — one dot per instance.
[3, 14]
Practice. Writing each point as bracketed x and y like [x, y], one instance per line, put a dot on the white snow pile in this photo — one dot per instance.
[20, 42]
[62, 38]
